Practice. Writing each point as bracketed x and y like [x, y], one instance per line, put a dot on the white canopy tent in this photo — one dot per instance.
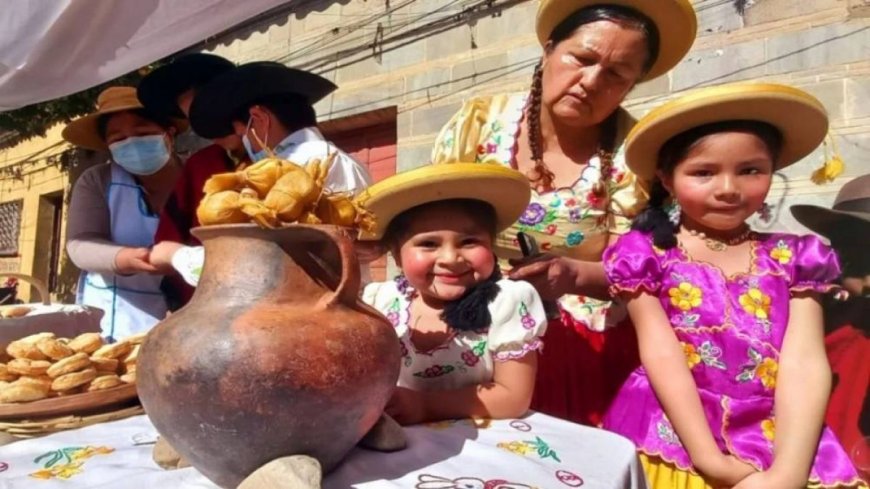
[52, 48]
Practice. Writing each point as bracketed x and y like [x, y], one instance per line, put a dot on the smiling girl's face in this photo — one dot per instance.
[444, 251]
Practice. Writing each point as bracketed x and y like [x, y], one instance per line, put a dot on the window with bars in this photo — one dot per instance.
[10, 227]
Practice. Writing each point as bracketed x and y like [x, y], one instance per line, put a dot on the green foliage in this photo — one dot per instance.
[34, 120]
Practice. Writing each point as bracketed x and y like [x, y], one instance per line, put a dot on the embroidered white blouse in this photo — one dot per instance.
[466, 357]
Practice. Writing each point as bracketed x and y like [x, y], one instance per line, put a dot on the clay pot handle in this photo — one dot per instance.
[347, 291]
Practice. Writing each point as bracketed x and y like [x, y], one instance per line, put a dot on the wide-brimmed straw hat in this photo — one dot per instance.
[506, 190]
[849, 216]
[674, 19]
[215, 104]
[799, 117]
[84, 131]
[159, 90]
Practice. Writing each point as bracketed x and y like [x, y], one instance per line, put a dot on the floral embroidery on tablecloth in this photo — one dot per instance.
[430, 481]
[524, 447]
[66, 462]
[520, 425]
[570, 479]
[479, 423]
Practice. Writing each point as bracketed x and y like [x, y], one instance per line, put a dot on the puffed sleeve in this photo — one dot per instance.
[518, 321]
[633, 264]
[460, 139]
[628, 194]
[813, 265]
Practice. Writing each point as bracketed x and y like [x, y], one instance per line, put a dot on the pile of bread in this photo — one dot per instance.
[42, 366]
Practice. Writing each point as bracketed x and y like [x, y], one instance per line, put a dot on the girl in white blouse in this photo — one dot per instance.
[469, 338]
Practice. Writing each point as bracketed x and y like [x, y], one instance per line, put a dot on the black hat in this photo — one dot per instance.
[848, 218]
[215, 104]
[159, 90]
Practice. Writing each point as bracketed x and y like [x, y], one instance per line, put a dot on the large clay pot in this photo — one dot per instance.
[275, 355]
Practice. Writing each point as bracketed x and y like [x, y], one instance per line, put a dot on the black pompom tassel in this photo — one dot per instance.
[471, 311]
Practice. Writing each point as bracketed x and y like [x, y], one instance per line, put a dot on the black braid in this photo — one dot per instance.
[542, 176]
[654, 219]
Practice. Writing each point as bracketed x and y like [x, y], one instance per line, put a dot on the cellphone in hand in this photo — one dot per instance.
[528, 245]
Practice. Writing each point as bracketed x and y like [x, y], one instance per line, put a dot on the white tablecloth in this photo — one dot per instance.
[536, 452]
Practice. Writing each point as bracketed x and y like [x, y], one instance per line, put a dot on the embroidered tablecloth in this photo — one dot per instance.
[537, 451]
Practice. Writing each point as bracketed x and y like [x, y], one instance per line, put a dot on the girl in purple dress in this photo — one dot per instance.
[734, 382]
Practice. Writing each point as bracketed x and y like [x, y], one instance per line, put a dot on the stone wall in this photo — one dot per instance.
[425, 56]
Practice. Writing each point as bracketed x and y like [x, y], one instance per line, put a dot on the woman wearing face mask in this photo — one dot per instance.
[115, 209]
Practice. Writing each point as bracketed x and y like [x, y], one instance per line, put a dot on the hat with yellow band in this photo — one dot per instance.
[799, 117]
[675, 20]
[505, 189]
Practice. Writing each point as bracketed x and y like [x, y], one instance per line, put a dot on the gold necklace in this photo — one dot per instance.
[718, 244]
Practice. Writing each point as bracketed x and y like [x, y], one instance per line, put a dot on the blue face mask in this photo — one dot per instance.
[246, 142]
[141, 155]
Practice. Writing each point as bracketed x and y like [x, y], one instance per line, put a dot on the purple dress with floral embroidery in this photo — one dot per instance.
[732, 330]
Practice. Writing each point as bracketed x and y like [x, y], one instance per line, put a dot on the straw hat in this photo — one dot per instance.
[675, 20]
[505, 189]
[849, 216]
[160, 89]
[799, 116]
[215, 104]
[84, 131]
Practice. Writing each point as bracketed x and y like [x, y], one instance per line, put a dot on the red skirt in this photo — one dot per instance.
[580, 370]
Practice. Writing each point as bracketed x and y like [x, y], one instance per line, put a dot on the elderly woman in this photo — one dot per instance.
[115, 210]
[566, 135]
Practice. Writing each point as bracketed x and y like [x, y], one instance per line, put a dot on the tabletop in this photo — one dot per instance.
[537, 451]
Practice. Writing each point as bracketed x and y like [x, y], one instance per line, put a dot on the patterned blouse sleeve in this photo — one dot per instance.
[628, 194]
[815, 266]
[460, 139]
[633, 264]
[518, 321]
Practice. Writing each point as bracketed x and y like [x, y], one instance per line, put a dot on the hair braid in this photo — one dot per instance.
[654, 218]
[541, 176]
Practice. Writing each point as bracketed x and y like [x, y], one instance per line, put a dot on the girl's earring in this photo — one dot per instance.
[765, 213]
[673, 210]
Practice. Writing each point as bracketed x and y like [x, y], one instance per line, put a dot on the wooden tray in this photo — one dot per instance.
[88, 402]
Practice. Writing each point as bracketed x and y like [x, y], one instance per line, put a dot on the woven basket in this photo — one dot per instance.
[47, 426]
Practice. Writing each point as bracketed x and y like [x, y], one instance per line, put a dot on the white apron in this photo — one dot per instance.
[132, 303]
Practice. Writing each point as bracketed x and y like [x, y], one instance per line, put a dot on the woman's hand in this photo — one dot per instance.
[406, 406]
[129, 261]
[161, 255]
[725, 470]
[552, 276]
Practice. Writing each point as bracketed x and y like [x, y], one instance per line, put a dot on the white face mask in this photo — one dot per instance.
[141, 155]
[246, 142]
